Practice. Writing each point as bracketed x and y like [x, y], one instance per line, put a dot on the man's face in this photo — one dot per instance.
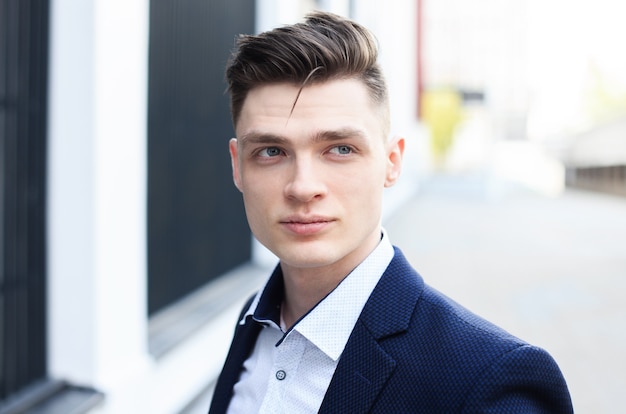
[312, 179]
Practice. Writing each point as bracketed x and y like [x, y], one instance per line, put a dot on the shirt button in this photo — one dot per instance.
[280, 375]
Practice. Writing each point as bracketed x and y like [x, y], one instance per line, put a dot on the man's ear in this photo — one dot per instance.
[234, 162]
[395, 151]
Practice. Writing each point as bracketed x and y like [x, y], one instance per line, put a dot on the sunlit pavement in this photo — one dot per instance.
[551, 270]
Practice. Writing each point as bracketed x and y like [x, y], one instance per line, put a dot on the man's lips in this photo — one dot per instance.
[306, 225]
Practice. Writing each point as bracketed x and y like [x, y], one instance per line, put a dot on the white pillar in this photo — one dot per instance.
[97, 324]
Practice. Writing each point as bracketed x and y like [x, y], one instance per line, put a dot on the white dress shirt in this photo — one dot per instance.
[289, 371]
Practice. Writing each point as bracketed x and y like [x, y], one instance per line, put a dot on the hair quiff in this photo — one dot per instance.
[323, 47]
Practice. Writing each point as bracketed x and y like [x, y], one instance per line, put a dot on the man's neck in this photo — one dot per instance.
[306, 287]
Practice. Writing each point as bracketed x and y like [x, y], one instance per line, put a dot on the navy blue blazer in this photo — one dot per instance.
[414, 350]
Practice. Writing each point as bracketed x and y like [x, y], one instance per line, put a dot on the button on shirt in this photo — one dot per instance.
[290, 371]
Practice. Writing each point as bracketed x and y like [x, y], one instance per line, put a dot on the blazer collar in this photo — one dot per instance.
[365, 366]
[390, 307]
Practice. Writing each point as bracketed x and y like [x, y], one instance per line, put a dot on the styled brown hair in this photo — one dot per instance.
[324, 47]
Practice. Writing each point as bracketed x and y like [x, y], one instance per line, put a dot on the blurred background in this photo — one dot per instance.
[125, 255]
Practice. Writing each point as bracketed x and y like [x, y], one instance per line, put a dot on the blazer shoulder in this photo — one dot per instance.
[455, 337]
[447, 347]
[526, 379]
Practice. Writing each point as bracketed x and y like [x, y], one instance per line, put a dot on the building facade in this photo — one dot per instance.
[126, 255]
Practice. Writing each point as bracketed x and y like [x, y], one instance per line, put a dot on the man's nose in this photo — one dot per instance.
[305, 181]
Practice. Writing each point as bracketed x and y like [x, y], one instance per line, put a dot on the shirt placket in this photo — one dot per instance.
[287, 357]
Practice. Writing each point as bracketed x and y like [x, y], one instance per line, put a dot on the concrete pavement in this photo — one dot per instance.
[551, 270]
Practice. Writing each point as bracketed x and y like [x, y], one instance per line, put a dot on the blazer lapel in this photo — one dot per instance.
[360, 375]
[365, 366]
[243, 342]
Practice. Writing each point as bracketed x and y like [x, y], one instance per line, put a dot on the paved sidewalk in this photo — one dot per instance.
[549, 270]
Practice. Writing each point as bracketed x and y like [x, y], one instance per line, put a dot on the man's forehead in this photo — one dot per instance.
[289, 94]
[321, 102]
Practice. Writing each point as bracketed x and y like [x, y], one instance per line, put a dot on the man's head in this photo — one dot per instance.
[311, 156]
[324, 47]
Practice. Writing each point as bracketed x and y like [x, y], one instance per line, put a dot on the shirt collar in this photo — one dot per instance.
[329, 324]
[265, 307]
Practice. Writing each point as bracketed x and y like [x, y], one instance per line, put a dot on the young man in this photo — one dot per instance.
[344, 324]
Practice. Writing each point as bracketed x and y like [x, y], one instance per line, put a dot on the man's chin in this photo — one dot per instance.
[306, 258]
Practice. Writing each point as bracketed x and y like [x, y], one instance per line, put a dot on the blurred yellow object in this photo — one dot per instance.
[441, 111]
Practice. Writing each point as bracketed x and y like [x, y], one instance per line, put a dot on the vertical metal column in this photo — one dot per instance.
[23, 108]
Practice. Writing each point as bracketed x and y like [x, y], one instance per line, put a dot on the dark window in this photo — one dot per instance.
[196, 224]
[23, 87]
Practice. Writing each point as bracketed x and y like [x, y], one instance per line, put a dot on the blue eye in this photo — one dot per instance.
[270, 152]
[342, 150]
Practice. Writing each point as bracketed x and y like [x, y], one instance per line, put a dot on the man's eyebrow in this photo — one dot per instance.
[261, 138]
[329, 135]
[339, 134]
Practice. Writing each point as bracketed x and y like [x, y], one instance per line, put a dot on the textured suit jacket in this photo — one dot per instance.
[413, 350]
